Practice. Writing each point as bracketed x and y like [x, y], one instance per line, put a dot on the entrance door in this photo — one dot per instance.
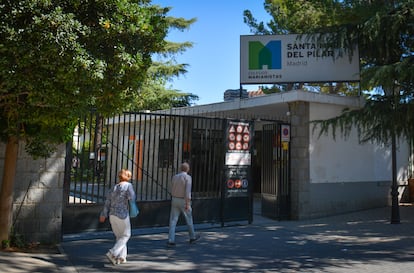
[275, 176]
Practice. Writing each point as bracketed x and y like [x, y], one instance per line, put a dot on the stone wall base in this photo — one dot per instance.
[38, 194]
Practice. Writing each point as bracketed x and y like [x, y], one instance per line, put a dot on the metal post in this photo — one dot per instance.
[395, 210]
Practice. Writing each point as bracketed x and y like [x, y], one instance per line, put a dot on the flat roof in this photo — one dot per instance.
[271, 106]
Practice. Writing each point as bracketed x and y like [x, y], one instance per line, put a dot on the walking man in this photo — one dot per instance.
[181, 204]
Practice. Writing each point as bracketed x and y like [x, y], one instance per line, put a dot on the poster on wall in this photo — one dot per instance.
[269, 59]
[238, 158]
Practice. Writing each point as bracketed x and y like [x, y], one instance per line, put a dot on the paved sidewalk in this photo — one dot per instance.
[363, 241]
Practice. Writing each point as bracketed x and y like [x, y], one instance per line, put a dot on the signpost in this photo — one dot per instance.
[237, 194]
[270, 59]
[238, 159]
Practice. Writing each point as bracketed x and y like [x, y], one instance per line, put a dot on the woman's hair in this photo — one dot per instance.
[124, 175]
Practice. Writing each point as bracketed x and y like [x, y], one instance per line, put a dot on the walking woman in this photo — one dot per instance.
[116, 208]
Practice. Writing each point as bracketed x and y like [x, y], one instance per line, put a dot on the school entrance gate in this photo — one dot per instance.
[153, 146]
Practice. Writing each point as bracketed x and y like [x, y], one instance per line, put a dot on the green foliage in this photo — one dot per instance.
[273, 89]
[341, 88]
[154, 95]
[375, 122]
[60, 59]
[5, 244]
[16, 240]
[157, 98]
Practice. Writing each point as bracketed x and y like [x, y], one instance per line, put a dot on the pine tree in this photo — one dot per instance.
[384, 32]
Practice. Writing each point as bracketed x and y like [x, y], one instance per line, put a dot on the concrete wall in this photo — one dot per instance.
[38, 193]
[337, 176]
[336, 198]
[345, 159]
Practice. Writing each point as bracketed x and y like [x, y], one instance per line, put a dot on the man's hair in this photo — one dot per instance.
[185, 167]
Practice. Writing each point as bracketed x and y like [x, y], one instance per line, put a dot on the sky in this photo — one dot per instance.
[213, 61]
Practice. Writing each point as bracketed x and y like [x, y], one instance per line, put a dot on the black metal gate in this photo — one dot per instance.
[275, 187]
[152, 146]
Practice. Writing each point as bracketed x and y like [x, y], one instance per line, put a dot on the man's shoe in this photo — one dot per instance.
[195, 239]
[170, 244]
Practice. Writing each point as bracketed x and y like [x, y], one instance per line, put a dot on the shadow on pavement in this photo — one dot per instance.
[357, 242]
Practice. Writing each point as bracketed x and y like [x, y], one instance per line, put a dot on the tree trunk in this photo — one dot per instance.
[7, 185]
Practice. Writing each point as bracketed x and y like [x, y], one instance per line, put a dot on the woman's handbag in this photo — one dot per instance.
[133, 209]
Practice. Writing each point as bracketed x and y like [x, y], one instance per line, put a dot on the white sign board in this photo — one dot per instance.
[241, 159]
[290, 58]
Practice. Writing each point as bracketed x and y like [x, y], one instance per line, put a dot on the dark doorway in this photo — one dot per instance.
[275, 178]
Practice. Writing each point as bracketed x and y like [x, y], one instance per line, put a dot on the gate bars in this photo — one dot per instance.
[152, 146]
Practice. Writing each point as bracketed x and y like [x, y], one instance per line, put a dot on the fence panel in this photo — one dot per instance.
[152, 146]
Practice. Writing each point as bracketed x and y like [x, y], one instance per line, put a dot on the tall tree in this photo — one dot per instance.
[385, 35]
[155, 94]
[60, 59]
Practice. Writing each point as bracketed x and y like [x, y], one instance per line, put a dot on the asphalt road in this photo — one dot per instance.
[362, 241]
[357, 242]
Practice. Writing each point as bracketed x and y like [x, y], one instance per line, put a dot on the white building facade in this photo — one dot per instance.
[328, 175]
